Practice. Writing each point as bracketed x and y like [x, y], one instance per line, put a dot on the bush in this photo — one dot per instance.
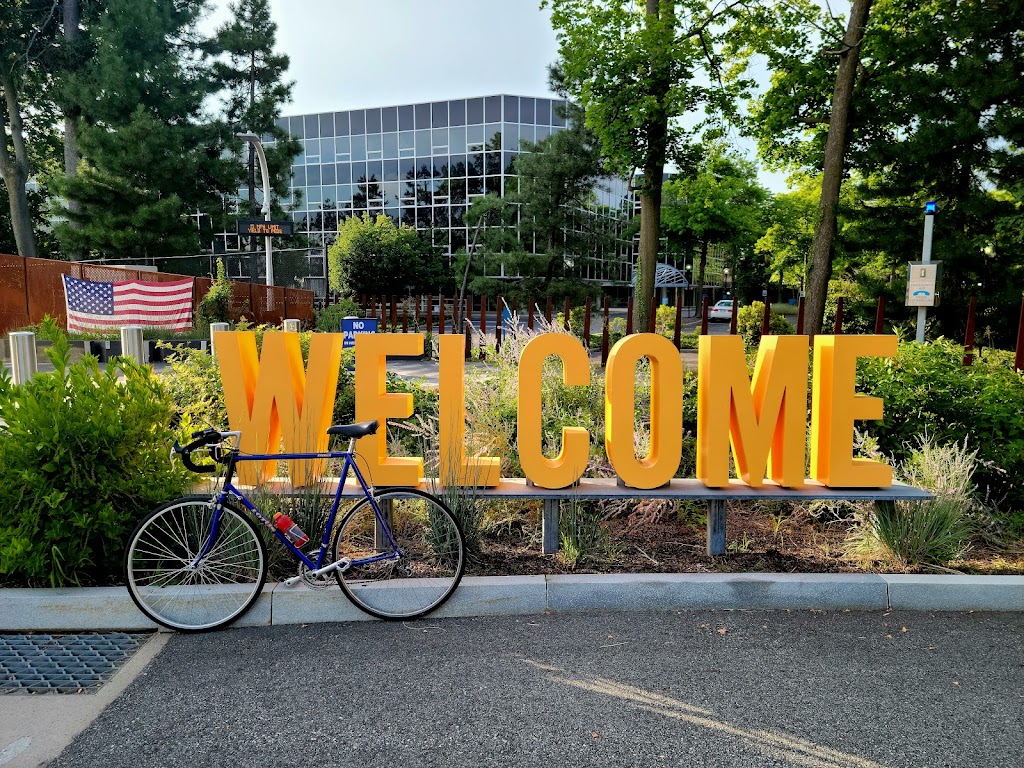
[927, 390]
[83, 456]
[924, 533]
[215, 306]
[750, 320]
[328, 319]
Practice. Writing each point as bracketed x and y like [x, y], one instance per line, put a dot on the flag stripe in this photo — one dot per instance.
[93, 305]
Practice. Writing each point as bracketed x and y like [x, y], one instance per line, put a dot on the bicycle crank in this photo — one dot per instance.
[314, 577]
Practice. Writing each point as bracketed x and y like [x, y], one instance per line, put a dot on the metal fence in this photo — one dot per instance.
[30, 289]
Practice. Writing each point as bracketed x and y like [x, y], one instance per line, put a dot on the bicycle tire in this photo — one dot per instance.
[427, 573]
[227, 582]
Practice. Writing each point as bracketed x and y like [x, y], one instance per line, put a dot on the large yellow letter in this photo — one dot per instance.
[374, 402]
[453, 466]
[835, 406]
[662, 461]
[271, 397]
[571, 462]
[766, 418]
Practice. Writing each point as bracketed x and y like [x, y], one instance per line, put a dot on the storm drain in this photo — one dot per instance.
[64, 663]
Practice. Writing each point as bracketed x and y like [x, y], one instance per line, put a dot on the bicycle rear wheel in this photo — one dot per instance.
[172, 588]
[421, 575]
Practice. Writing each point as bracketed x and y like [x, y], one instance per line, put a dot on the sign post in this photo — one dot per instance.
[923, 295]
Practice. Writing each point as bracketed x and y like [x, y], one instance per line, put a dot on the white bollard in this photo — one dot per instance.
[216, 328]
[23, 356]
[292, 326]
[132, 344]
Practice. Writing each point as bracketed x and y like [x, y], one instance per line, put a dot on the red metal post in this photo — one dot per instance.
[704, 317]
[547, 311]
[677, 336]
[800, 317]
[430, 313]
[483, 315]
[838, 329]
[586, 323]
[766, 319]
[364, 305]
[565, 314]
[969, 335]
[735, 317]
[880, 317]
[394, 311]
[629, 317]
[529, 313]
[652, 319]
[440, 313]
[405, 314]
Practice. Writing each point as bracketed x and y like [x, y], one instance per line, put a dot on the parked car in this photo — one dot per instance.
[721, 310]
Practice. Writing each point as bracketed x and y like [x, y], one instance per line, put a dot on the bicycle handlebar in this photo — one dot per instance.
[203, 439]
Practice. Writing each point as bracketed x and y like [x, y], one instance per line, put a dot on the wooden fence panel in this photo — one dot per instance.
[46, 288]
[299, 304]
[241, 302]
[13, 294]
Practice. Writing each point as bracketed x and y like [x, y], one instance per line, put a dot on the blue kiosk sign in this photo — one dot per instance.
[350, 326]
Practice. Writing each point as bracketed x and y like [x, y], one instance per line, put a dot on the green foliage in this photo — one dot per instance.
[373, 256]
[750, 321]
[83, 456]
[582, 535]
[328, 319]
[927, 390]
[150, 154]
[926, 533]
[215, 306]
[192, 381]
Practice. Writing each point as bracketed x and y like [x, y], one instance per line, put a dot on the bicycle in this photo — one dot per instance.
[199, 563]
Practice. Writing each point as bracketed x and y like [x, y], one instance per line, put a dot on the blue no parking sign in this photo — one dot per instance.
[350, 326]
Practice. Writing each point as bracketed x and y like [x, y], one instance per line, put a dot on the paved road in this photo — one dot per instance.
[746, 689]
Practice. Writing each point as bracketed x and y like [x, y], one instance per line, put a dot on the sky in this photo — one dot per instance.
[348, 54]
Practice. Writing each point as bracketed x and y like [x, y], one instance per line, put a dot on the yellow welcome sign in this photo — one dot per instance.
[761, 420]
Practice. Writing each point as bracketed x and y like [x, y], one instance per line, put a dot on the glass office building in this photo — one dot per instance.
[424, 164]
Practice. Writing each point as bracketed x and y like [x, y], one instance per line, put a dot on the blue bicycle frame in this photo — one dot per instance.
[230, 490]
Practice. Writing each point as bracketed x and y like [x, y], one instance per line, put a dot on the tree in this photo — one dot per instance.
[373, 256]
[543, 232]
[934, 114]
[786, 243]
[635, 68]
[253, 76]
[720, 203]
[150, 154]
[28, 30]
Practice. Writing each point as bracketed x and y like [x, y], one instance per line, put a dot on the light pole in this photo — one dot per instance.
[926, 256]
[253, 139]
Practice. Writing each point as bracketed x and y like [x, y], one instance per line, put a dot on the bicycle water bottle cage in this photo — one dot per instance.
[354, 431]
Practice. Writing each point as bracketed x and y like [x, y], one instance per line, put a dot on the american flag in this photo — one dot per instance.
[94, 305]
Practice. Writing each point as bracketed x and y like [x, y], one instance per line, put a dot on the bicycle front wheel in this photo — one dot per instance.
[177, 589]
[407, 566]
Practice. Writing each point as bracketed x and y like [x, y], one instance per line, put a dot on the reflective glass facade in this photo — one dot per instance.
[424, 164]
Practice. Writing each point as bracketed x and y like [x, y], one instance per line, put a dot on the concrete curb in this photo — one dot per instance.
[110, 608]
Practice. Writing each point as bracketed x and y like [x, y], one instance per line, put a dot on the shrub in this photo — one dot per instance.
[328, 319]
[83, 456]
[215, 306]
[927, 390]
[750, 320]
[929, 533]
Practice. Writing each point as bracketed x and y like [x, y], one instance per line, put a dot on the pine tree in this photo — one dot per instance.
[253, 76]
[150, 154]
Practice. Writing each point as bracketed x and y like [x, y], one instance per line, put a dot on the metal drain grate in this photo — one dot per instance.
[64, 663]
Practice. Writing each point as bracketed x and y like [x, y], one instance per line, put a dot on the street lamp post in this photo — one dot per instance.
[253, 139]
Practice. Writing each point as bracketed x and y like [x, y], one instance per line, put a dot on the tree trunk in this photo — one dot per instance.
[656, 129]
[823, 247]
[15, 170]
[72, 17]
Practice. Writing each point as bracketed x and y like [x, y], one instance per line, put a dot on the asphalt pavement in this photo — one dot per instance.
[725, 688]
